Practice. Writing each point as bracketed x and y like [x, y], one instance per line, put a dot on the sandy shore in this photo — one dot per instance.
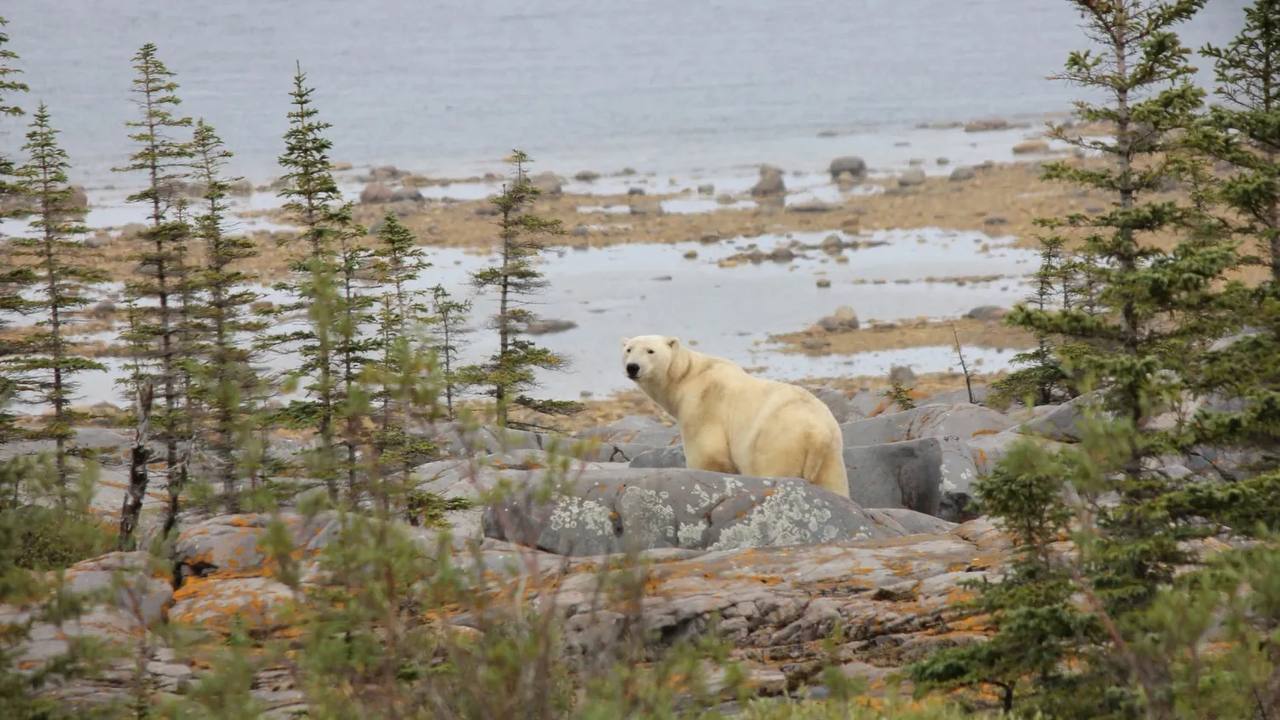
[1000, 200]
[893, 336]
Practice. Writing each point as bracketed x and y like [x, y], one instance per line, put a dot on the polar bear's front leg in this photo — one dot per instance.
[708, 450]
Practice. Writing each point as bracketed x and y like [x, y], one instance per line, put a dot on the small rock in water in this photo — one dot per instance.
[635, 191]
[1031, 147]
[962, 173]
[782, 254]
[915, 161]
[987, 313]
[662, 278]
[706, 189]
[824, 283]
[851, 164]
[587, 176]
[844, 318]
[986, 125]
[943, 161]
[691, 255]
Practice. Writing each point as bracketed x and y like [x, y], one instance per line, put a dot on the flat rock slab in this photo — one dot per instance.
[229, 544]
[957, 420]
[630, 509]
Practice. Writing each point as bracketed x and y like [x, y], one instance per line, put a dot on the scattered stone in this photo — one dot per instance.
[987, 313]
[911, 177]
[586, 176]
[962, 172]
[1031, 147]
[986, 125]
[548, 326]
[548, 184]
[844, 318]
[851, 164]
[824, 283]
[706, 189]
[929, 475]
[691, 255]
[915, 161]
[635, 191]
[943, 161]
[811, 206]
[770, 183]
[376, 193]
[782, 254]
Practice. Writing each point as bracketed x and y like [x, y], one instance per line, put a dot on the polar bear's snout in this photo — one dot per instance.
[633, 370]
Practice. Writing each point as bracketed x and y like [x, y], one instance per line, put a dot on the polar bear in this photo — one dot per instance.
[735, 423]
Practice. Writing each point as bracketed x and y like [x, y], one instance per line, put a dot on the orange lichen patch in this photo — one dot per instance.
[901, 568]
[959, 596]
[986, 431]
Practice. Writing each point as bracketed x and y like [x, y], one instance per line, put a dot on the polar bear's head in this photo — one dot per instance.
[647, 357]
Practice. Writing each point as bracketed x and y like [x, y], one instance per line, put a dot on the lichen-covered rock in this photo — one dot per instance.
[775, 604]
[960, 420]
[929, 475]
[229, 544]
[124, 596]
[215, 603]
[629, 509]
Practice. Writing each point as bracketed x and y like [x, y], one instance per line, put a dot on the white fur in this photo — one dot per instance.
[735, 423]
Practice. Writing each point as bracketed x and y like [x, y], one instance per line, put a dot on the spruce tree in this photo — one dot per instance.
[1042, 379]
[226, 380]
[450, 324]
[154, 298]
[510, 371]
[1156, 311]
[407, 366]
[12, 278]
[1241, 134]
[315, 204]
[61, 282]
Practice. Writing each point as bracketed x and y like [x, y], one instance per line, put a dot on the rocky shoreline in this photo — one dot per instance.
[774, 566]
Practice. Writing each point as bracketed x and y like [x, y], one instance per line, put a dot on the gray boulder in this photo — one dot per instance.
[930, 475]
[667, 457]
[844, 318]
[911, 522]
[375, 193]
[851, 164]
[547, 184]
[911, 177]
[611, 511]
[840, 406]
[770, 183]
[1065, 422]
[987, 313]
[229, 544]
[962, 173]
[960, 420]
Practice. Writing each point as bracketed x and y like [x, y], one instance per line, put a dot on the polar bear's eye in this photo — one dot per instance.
[650, 352]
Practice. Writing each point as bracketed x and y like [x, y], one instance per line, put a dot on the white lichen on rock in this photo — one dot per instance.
[648, 517]
[574, 512]
[790, 516]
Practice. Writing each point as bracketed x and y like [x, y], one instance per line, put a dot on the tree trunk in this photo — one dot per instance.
[139, 456]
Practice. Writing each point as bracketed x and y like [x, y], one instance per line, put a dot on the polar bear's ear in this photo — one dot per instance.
[672, 342]
[625, 340]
